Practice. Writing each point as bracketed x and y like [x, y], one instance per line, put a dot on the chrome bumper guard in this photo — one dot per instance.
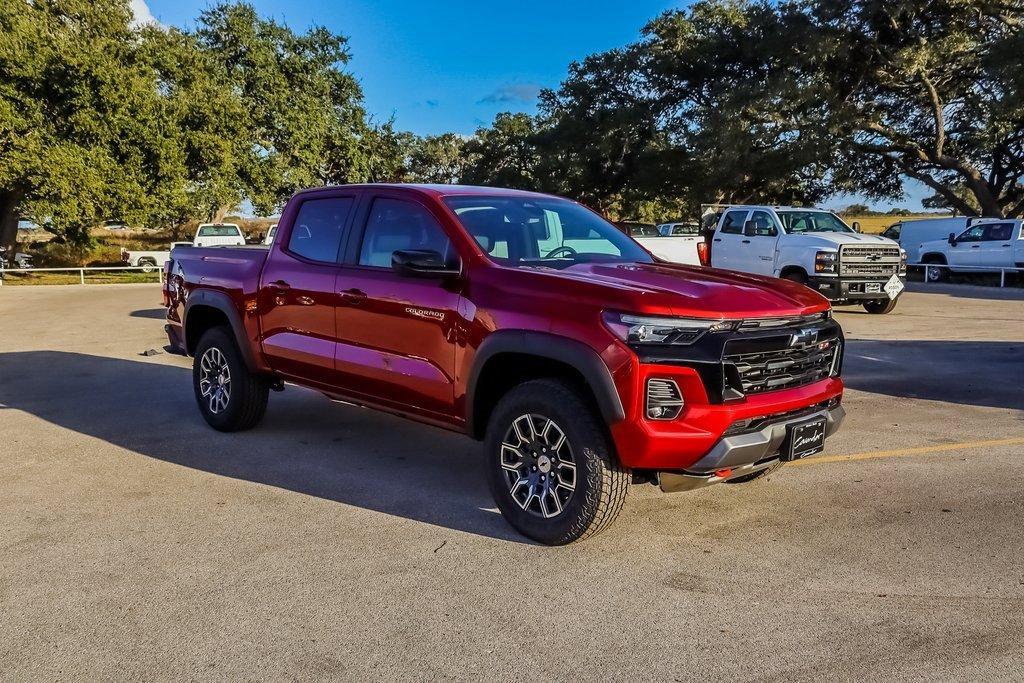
[743, 454]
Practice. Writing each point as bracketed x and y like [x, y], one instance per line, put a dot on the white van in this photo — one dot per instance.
[912, 234]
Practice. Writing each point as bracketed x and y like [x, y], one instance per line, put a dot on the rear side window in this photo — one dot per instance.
[398, 225]
[219, 231]
[319, 228]
[733, 223]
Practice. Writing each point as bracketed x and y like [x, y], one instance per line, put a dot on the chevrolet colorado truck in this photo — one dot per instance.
[526, 321]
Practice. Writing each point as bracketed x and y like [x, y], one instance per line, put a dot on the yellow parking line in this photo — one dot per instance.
[903, 452]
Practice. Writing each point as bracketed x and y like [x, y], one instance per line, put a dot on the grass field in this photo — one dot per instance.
[14, 278]
[873, 225]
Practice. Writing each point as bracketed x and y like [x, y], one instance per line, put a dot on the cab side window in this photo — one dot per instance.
[319, 227]
[998, 232]
[764, 224]
[733, 223]
[975, 234]
[398, 225]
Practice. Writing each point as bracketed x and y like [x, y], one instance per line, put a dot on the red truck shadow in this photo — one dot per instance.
[307, 444]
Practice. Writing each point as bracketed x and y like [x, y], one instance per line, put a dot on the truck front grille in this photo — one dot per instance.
[787, 368]
[864, 261]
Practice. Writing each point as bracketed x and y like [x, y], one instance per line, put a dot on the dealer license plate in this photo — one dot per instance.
[806, 438]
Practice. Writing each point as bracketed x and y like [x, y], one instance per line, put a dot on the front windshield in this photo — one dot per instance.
[556, 233]
[796, 222]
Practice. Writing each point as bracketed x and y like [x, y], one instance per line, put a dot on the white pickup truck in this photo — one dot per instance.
[207, 235]
[813, 247]
[675, 247]
[987, 244]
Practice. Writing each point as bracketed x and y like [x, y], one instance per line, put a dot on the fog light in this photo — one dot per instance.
[664, 400]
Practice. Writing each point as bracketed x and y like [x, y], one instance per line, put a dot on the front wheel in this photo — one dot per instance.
[880, 306]
[935, 274]
[231, 398]
[550, 466]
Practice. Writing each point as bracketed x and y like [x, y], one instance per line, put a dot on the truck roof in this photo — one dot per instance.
[437, 190]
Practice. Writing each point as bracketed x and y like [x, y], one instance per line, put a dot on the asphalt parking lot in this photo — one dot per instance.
[336, 542]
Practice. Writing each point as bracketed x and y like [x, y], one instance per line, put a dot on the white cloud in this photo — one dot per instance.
[140, 10]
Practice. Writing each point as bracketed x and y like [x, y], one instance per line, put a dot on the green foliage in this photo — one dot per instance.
[506, 154]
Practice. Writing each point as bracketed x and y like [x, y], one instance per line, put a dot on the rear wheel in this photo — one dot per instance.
[551, 468]
[148, 265]
[880, 306]
[230, 398]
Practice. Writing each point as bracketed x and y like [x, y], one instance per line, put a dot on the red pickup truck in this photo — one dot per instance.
[526, 321]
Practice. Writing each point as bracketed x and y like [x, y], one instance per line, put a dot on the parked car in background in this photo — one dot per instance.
[987, 244]
[148, 260]
[269, 239]
[677, 229]
[18, 261]
[218, 234]
[674, 248]
[525, 321]
[115, 226]
[911, 234]
[812, 247]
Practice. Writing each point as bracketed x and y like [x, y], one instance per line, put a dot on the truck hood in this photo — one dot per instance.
[673, 289]
[835, 239]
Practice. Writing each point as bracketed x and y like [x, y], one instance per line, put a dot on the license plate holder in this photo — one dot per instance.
[805, 439]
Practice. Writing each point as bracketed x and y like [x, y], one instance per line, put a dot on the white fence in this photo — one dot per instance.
[82, 271]
[969, 270]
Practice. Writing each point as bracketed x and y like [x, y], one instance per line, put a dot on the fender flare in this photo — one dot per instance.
[223, 303]
[575, 354]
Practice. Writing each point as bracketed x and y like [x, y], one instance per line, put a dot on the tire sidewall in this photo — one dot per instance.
[219, 338]
[586, 450]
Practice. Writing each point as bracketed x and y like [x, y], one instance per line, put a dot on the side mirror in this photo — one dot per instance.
[422, 263]
[856, 226]
[952, 239]
[749, 229]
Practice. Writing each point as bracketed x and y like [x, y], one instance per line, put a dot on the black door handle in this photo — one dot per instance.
[745, 242]
[975, 246]
[354, 296]
[718, 239]
[280, 284]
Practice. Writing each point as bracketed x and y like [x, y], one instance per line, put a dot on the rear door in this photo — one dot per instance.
[996, 245]
[297, 295]
[727, 244]
[397, 334]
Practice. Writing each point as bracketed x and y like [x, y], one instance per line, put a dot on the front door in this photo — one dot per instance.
[297, 294]
[397, 334]
[966, 252]
[757, 251]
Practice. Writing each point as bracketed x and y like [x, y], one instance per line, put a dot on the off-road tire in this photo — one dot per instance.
[757, 475]
[601, 483]
[880, 306]
[247, 401]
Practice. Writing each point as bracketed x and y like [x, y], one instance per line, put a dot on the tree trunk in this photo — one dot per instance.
[10, 200]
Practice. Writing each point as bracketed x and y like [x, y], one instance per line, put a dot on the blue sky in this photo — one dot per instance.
[452, 65]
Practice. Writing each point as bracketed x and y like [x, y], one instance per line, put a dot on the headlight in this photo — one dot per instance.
[825, 261]
[651, 329]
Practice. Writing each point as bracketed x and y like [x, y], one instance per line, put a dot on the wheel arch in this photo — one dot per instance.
[794, 270]
[509, 357]
[933, 257]
[206, 309]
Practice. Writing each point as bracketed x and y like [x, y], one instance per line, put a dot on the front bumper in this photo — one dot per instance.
[742, 454]
[849, 288]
